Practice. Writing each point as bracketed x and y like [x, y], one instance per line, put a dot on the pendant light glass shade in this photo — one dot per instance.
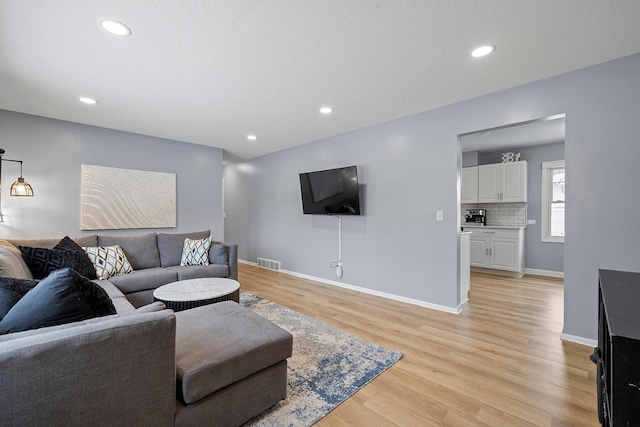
[21, 188]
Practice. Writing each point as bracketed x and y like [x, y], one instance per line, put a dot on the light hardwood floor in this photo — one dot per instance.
[499, 363]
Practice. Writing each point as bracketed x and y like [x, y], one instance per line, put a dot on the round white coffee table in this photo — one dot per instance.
[185, 294]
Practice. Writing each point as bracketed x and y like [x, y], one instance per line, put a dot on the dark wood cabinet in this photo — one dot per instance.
[618, 351]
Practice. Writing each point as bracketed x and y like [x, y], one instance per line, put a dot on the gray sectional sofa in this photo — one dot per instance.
[155, 258]
[219, 364]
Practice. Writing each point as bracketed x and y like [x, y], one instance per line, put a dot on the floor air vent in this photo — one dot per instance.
[269, 263]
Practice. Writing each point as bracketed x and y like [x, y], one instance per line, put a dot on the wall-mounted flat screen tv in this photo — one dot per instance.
[330, 192]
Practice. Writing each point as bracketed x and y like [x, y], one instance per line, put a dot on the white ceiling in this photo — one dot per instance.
[538, 132]
[212, 71]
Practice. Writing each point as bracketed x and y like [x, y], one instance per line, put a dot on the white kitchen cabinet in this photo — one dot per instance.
[504, 253]
[502, 182]
[498, 249]
[489, 183]
[513, 182]
[469, 185]
[479, 251]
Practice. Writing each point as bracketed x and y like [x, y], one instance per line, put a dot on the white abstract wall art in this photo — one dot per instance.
[114, 198]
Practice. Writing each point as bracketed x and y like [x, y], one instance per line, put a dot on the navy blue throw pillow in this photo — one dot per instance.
[56, 300]
[11, 290]
[82, 263]
[42, 261]
[97, 297]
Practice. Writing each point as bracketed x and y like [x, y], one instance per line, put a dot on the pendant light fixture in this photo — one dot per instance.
[20, 188]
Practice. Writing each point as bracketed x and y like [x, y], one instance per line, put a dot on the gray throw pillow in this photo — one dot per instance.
[218, 254]
[170, 245]
[11, 262]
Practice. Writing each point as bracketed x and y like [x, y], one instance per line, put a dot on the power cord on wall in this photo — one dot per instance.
[338, 264]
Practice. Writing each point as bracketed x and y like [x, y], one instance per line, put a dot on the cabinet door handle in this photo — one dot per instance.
[486, 251]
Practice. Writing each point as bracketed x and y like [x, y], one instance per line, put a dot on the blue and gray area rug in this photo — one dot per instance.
[327, 366]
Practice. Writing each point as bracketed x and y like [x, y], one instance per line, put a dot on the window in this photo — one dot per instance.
[552, 215]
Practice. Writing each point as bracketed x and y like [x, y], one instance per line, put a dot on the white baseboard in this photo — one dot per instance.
[547, 273]
[496, 272]
[461, 304]
[446, 309]
[579, 340]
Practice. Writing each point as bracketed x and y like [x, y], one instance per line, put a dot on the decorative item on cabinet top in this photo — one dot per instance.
[511, 157]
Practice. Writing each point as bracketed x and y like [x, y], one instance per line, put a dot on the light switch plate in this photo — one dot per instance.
[531, 221]
[439, 216]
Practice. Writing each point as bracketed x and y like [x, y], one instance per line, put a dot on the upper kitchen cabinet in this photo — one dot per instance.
[489, 183]
[469, 190]
[514, 182]
[502, 182]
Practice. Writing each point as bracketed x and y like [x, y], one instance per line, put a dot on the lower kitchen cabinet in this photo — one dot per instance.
[498, 249]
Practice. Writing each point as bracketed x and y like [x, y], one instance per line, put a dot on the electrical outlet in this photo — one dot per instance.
[439, 216]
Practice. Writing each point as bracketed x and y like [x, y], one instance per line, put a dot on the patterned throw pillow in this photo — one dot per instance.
[108, 261]
[11, 290]
[42, 261]
[195, 252]
[83, 264]
[96, 296]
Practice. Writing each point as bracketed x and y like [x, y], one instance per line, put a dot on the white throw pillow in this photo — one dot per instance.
[195, 252]
[108, 261]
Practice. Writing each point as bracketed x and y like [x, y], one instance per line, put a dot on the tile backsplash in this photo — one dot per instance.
[499, 213]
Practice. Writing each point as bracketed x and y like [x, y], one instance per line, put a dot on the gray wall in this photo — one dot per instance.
[409, 168]
[378, 247]
[538, 255]
[470, 158]
[52, 152]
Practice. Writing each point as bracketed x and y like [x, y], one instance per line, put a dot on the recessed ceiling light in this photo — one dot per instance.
[481, 51]
[252, 137]
[87, 100]
[326, 110]
[115, 27]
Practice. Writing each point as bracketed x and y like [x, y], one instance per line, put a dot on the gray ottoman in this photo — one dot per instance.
[231, 364]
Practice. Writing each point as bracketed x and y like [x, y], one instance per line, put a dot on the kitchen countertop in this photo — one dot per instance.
[503, 227]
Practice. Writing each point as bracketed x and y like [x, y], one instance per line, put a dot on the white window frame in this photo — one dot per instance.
[545, 214]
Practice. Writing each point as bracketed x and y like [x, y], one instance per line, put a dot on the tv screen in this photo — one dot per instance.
[330, 192]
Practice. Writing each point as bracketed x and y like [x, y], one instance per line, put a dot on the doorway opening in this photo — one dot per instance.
[537, 143]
